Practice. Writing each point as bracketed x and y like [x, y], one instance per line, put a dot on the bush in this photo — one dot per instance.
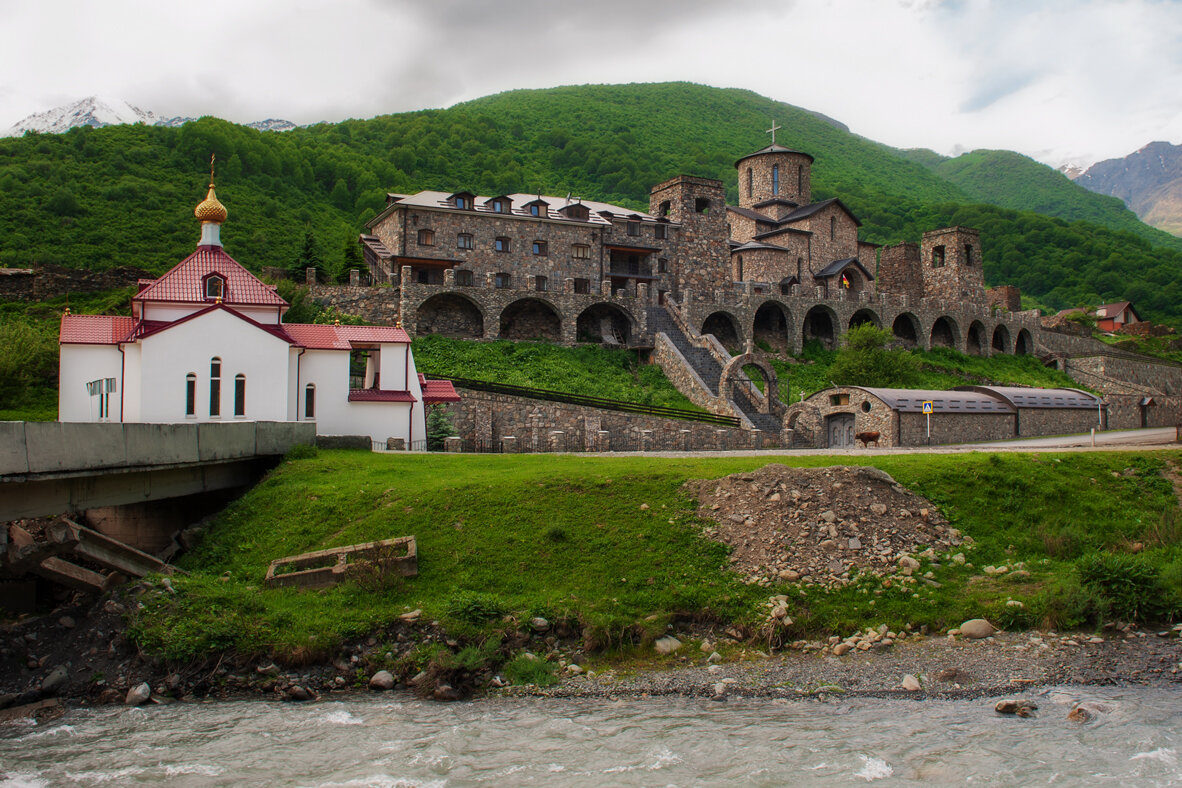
[1128, 587]
[865, 361]
[531, 670]
[472, 607]
[439, 428]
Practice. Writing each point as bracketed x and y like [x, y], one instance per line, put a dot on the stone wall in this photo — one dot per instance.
[1125, 411]
[378, 305]
[795, 178]
[701, 259]
[955, 428]
[48, 281]
[1116, 374]
[1006, 297]
[899, 271]
[959, 278]
[1034, 422]
[528, 425]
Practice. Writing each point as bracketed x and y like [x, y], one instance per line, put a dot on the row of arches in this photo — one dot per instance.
[456, 315]
[773, 325]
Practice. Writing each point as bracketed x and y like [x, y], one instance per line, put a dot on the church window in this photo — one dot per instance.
[581, 252]
[539, 248]
[750, 181]
[968, 254]
[633, 228]
[664, 209]
[501, 244]
[800, 179]
[426, 237]
[541, 284]
[464, 241]
[775, 179]
[662, 265]
[502, 281]
[661, 231]
[215, 386]
[215, 287]
[739, 267]
[839, 399]
[832, 228]
[702, 205]
[583, 286]
[190, 394]
[310, 401]
[463, 278]
[240, 395]
[938, 257]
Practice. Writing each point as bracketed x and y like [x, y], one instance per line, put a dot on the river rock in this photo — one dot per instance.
[789, 575]
[976, 628]
[907, 562]
[55, 680]
[382, 680]
[446, 692]
[298, 693]
[911, 683]
[1023, 708]
[1080, 714]
[539, 624]
[667, 645]
[828, 516]
[138, 695]
[841, 649]
[66, 622]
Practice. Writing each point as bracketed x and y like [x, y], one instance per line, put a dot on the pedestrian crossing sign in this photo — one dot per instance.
[927, 406]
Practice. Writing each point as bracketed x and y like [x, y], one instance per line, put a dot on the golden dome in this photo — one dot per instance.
[209, 209]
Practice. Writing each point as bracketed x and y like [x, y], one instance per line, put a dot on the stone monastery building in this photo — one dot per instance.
[205, 342]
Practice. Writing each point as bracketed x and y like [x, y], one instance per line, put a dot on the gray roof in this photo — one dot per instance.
[1039, 398]
[518, 203]
[750, 214]
[774, 149]
[955, 401]
[837, 266]
[754, 245]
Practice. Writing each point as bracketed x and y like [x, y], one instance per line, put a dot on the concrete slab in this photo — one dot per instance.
[276, 437]
[13, 456]
[226, 440]
[160, 444]
[57, 446]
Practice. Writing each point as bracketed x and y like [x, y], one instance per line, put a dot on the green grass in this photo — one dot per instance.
[565, 537]
[589, 369]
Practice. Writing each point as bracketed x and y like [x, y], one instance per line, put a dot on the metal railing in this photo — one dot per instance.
[592, 402]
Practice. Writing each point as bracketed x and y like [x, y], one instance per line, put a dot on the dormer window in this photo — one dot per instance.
[465, 201]
[535, 209]
[498, 205]
[215, 287]
[575, 211]
[462, 202]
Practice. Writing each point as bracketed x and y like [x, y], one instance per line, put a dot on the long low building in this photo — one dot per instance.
[835, 417]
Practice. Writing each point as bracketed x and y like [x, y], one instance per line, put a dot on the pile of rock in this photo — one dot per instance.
[820, 525]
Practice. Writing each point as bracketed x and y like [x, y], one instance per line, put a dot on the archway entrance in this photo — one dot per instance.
[944, 333]
[1025, 344]
[724, 328]
[864, 316]
[773, 327]
[975, 341]
[449, 315]
[604, 323]
[821, 324]
[1001, 340]
[906, 330]
[531, 318]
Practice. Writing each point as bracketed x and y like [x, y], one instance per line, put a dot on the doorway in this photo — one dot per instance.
[840, 428]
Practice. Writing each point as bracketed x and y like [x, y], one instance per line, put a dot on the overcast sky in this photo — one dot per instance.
[1061, 80]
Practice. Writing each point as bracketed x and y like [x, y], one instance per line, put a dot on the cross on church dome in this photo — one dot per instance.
[773, 131]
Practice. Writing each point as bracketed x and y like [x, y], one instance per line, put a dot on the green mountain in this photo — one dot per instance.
[123, 195]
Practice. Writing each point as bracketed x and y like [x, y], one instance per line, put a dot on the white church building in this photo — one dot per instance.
[206, 342]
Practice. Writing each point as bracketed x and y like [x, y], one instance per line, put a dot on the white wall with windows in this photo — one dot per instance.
[81, 366]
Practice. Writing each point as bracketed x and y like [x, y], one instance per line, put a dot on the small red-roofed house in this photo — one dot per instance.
[206, 342]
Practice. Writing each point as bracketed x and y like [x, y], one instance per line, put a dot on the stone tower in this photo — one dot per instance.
[775, 180]
[900, 271]
[702, 258]
[951, 264]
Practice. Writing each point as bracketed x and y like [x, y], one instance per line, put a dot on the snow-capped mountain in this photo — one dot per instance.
[99, 112]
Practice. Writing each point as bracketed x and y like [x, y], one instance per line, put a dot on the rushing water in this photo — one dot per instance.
[399, 741]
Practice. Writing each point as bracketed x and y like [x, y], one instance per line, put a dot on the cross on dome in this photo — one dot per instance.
[771, 131]
[211, 212]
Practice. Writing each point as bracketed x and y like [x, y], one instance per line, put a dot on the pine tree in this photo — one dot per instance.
[351, 258]
[310, 257]
[439, 428]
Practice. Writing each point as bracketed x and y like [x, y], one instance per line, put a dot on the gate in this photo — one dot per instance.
[840, 428]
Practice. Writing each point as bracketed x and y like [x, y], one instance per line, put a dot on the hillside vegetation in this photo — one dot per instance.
[124, 194]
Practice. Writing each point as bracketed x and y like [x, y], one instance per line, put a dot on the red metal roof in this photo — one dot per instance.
[435, 391]
[145, 328]
[317, 337]
[380, 395]
[185, 283]
[95, 329]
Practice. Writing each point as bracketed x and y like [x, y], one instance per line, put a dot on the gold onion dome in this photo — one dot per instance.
[209, 209]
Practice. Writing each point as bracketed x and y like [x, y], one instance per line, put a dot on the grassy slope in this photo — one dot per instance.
[565, 537]
[123, 195]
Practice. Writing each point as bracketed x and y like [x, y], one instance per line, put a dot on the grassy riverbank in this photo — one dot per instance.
[505, 538]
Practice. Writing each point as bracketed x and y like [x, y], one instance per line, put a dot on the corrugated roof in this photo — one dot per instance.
[1022, 397]
[518, 203]
[955, 401]
[435, 391]
[185, 282]
[318, 337]
[95, 329]
[380, 395]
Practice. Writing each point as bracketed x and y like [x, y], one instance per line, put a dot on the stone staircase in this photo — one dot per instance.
[707, 367]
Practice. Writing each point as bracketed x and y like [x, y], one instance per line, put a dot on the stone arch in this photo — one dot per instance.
[531, 318]
[450, 315]
[821, 324]
[975, 339]
[725, 328]
[1024, 344]
[945, 333]
[606, 323]
[865, 316]
[773, 325]
[906, 329]
[1001, 339]
[733, 371]
[804, 419]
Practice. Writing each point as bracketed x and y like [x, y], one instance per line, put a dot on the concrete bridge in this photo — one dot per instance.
[47, 468]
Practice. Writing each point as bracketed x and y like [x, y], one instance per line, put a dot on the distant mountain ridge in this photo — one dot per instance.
[99, 112]
[1149, 181]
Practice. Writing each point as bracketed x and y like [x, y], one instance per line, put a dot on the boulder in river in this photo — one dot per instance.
[382, 680]
[138, 695]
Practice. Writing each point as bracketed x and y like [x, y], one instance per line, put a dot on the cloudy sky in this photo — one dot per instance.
[1060, 80]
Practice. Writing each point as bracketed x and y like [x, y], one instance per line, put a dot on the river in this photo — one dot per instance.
[395, 740]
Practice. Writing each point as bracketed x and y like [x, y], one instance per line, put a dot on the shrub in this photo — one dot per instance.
[439, 428]
[865, 361]
[1127, 586]
[531, 670]
[472, 607]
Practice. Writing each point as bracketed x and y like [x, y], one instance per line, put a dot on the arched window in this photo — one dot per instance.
[775, 179]
[463, 278]
[426, 237]
[800, 179]
[750, 181]
[240, 395]
[310, 401]
[190, 394]
[215, 386]
[832, 228]
[215, 287]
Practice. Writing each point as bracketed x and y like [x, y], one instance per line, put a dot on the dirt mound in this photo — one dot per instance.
[817, 524]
